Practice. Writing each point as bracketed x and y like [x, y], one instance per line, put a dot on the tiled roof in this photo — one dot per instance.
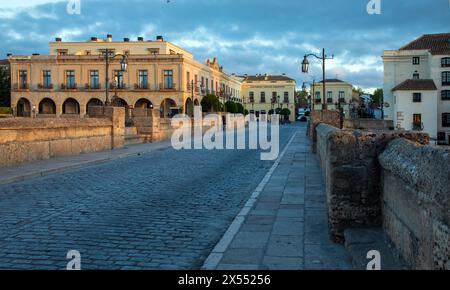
[332, 81]
[438, 44]
[416, 85]
[267, 78]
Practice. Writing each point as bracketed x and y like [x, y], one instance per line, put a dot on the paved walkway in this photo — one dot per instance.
[58, 164]
[285, 226]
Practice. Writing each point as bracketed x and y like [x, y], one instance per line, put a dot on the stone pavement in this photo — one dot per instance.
[58, 164]
[287, 227]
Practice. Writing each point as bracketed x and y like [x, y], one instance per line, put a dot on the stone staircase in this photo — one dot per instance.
[359, 241]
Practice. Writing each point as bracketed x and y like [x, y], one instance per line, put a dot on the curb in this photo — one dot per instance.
[217, 253]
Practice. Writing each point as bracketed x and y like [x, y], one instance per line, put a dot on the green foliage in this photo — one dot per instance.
[211, 103]
[231, 107]
[271, 111]
[359, 91]
[240, 108]
[5, 110]
[285, 112]
[278, 111]
[301, 97]
[246, 112]
[5, 88]
[378, 96]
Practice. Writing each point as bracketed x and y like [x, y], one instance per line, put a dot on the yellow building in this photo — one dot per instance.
[72, 77]
[337, 92]
[262, 93]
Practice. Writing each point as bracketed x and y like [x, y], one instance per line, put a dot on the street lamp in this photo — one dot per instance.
[192, 93]
[305, 68]
[109, 54]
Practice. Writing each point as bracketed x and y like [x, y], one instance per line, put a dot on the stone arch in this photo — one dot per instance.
[119, 102]
[143, 104]
[71, 107]
[94, 102]
[47, 107]
[168, 108]
[196, 102]
[23, 108]
[189, 107]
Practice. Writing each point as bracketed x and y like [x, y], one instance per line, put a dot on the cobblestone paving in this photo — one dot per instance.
[162, 210]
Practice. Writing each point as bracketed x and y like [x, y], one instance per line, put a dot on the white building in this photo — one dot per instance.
[417, 86]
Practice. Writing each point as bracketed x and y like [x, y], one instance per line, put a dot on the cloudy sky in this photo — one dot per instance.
[248, 36]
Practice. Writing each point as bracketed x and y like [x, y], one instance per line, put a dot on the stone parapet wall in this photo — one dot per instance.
[349, 160]
[368, 124]
[26, 139]
[416, 202]
[322, 117]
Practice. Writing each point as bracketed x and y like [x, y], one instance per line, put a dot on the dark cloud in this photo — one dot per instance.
[249, 36]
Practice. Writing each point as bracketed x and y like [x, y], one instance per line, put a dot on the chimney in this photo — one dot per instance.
[36, 54]
[58, 39]
[126, 40]
[93, 38]
[140, 38]
[159, 38]
[8, 54]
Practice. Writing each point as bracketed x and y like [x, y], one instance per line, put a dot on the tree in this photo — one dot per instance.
[301, 98]
[5, 88]
[210, 103]
[378, 97]
[358, 91]
[240, 108]
[231, 107]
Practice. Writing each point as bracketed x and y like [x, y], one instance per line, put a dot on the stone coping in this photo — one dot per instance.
[47, 123]
[426, 168]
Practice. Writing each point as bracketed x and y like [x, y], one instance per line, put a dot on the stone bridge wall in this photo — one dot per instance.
[416, 202]
[26, 139]
[352, 173]
[368, 124]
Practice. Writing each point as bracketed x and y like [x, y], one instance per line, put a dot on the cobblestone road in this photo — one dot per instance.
[162, 210]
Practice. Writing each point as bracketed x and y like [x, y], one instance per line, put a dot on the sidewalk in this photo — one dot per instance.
[284, 225]
[58, 164]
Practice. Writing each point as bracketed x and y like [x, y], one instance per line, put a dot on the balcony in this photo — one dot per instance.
[286, 100]
[68, 87]
[329, 100]
[167, 87]
[142, 87]
[417, 126]
[118, 87]
[342, 100]
[21, 87]
[318, 101]
[45, 87]
[92, 87]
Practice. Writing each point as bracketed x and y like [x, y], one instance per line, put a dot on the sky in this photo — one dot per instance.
[247, 36]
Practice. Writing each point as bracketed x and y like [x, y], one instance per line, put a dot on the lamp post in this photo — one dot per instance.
[313, 86]
[192, 93]
[109, 54]
[323, 58]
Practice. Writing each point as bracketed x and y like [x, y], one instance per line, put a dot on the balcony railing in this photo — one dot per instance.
[167, 87]
[118, 86]
[21, 87]
[143, 87]
[330, 100]
[342, 100]
[68, 87]
[45, 86]
[286, 100]
[318, 101]
[92, 86]
[417, 126]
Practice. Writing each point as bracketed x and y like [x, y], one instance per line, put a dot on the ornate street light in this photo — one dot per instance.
[109, 54]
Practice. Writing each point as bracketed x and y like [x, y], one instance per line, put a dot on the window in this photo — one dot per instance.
[188, 79]
[341, 96]
[416, 75]
[446, 120]
[263, 97]
[329, 96]
[318, 95]
[274, 97]
[252, 97]
[168, 79]
[417, 121]
[46, 79]
[143, 79]
[70, 79]
[445, 62]
[446, 78]
[416, 60]
[417, 97]
[23, 79]
[286, 97]
[93, 79]
[445, 95]
[118, 79]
